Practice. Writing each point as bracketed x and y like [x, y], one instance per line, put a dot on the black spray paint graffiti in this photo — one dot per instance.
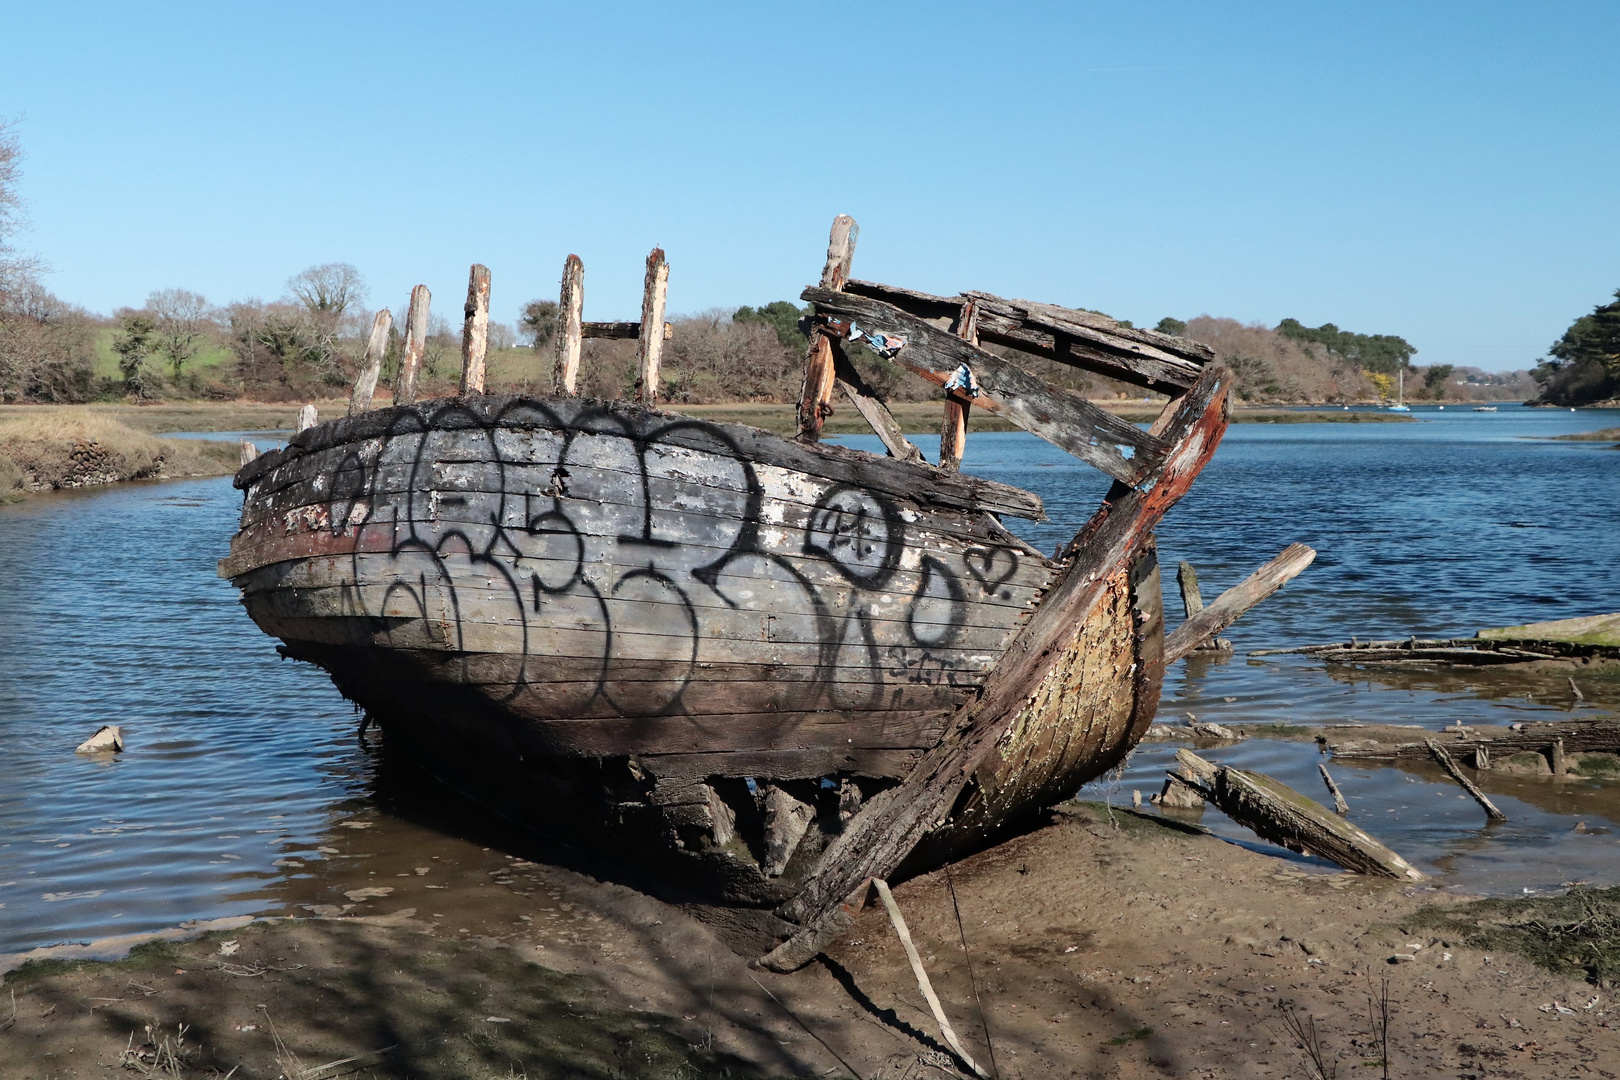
[608, 548]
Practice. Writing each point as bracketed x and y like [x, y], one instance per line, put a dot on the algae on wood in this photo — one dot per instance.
[1587, 630]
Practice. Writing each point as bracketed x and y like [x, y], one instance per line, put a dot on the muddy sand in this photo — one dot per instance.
[1103, 944]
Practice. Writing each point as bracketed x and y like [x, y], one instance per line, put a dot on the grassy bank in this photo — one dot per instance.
[47, 448]
[1606, 435]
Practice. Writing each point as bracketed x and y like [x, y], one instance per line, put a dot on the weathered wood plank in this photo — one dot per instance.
[1440, 755]
[1067, 420]
[953, 425]
[881, 837]
[570, 330]
[365, 384]
[816, 395]
[1231, 604]
[871, 407]
[410, 357]
[1081, 339]
[475, 331]
[650, 350]
[830, 462]
[1535, 736]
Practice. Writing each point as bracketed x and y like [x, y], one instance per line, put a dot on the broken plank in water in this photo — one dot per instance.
[1439, 754]
[1231, 604]
[1276, 812]
[1578, 736]
[1589, 630]
[1469, 652]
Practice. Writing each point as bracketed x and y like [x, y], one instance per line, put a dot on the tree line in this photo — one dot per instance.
[1583, 366]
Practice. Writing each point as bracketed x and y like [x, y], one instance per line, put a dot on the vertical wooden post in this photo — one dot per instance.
[307, 419]
[953, 427]
[1191, 599]
[816, 396]
[248, 452]
[475, 331]
[650, 349]
[365, 384]
[410, 359]
[570, 313]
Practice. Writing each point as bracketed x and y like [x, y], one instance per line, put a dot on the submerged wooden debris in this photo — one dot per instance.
[1553, 738]
[1205, 623]
[1595, 636]
[1444, 759]
[1276, 812]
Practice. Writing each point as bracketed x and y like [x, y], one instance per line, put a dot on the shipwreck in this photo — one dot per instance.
[766, 670]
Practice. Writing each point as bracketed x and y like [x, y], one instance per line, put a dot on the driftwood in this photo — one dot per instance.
[1276, 812]
[1065, 419]
[1231, 604]
[896, 821]
[570, 309]
[410, 357]
[475, 331]
[1577, 736]
[108, 739]
[365, 384]
[815, 397]
[650, 350]
[1439, 754]
[923, 983]
[1333, 789]
[1467, 652]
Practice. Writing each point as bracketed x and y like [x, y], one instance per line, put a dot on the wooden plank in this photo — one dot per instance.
[619, 331]
[1081, 339]
[1231, 604]
[475, 331]
[410, 357]
[871, 407]
[1440, 755]
[1093, 435]
[365, 384]
[831, 462]
[819, 366]
[1192, 600]
[1276, 812]
[650, 350]
[570, 310]
[1586, 630]
[953, 426]
[1578, 736]
[881, 837]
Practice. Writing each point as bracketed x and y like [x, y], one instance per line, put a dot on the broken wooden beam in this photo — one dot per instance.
[475, 331]
[1276, 812]
[650, 347]
[958, 403]
[1578, 736]
[1080, 339]
[1192, 602]
[307, 418]
[570, 330]
[816, 395]
[365, 384]
[623, 331]
[1065, 419]
[1440, 755]
[410, 356]
[1333, 789]
[870, 407]
[786, 820]
[248, 452]
[1231, 604]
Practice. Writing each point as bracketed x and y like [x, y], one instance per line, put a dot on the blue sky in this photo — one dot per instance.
[1443, 171]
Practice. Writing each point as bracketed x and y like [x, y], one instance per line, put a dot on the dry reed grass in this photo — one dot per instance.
[78, 447]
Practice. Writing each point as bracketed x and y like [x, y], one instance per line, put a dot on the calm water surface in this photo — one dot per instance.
[244, 789]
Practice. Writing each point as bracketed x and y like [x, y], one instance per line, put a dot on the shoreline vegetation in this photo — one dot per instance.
[55, 447]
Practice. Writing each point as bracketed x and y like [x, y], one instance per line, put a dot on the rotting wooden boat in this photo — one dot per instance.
[769, 669]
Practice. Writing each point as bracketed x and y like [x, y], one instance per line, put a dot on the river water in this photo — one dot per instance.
[245, 790]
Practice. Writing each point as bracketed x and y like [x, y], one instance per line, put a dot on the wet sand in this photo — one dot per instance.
[1104, 944]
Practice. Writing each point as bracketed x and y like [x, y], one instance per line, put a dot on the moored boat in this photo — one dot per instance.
[762, 670]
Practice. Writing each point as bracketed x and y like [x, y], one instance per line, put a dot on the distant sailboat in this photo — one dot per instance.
[1400, 393]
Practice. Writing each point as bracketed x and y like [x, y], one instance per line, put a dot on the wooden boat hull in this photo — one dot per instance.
[666, 634]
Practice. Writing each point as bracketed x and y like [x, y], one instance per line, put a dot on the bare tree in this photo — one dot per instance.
[331, 289]
[182, 320]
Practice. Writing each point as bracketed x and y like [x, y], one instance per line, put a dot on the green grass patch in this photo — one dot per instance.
[1576, 933]
[1134, 1035]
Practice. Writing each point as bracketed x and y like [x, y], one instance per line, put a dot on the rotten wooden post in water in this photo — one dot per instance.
[1333, 789]
[816, 396]
[365, 384]
[570, 313]
[650, 350]
[1231, 604]
[1192, 602]
[410, 356]
[475, 331]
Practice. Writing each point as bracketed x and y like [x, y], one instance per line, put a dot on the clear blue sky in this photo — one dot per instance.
[1443, 171]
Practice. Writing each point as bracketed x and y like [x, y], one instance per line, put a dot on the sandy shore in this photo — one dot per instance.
[1103, 944]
